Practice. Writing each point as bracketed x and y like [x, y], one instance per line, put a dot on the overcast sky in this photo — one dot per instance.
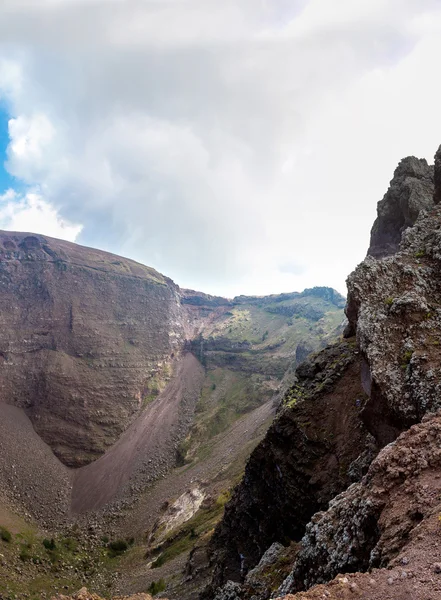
[237, 146]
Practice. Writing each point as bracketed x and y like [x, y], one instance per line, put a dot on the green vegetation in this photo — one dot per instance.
[389, 301]
[420, 253]
[226, 396]
[117, 548]
[49, 544]
[407, 355]
[156, 587]
[5, 535]
[48, 564]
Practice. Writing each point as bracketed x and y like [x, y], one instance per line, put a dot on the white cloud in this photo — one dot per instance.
[30, 213]
[237, 146]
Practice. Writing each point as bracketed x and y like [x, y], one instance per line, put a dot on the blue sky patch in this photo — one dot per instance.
[6, 181]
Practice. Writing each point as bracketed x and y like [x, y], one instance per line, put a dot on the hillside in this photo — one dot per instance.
[120, 392]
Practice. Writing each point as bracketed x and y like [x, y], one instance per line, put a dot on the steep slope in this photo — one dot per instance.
[85, 338]
[393, 308]
[308, 455]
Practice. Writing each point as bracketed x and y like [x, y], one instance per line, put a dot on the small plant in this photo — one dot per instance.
[5, 535]
[49, 544]
[213, 387]
[156, 587]
[407, 355]
[223, 498]
[105, 540]
[117, 548]
[420, 253]
[389, 301]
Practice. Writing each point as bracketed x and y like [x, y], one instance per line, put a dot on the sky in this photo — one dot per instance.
[238, 147]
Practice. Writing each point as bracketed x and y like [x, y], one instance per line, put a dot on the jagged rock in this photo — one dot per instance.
[437, 177]
[268, 558]
[395, 303]
[369, 524]
[230, 591]
[410, 191]
[393, 308]
[258, 581]
[301, 464]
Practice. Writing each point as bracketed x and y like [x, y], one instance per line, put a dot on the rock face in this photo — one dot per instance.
[309, 454]
[394, 306]
[393, 309]
[411, 190]
[84, 338]
[368, 525]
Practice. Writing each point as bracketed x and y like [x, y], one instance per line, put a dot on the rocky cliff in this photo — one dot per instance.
[410, 190]
[85, 338]
[308, 455]
[394, 328]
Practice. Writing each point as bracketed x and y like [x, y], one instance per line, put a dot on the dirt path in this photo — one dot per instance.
[147, 446]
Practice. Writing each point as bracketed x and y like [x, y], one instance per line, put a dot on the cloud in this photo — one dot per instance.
[30, 213]
[221, 143]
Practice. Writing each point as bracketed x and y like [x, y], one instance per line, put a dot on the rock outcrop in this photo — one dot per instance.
[312, 451]
[370, 524]
[393, 305]
[410, 191]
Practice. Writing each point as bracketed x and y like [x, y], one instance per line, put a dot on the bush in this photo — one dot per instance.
[117, 548]
[156, 587]
[5, 535]
[49, 544]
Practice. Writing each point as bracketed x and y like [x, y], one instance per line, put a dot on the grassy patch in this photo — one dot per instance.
[48, 564]
[5, 535]
[156, 587]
